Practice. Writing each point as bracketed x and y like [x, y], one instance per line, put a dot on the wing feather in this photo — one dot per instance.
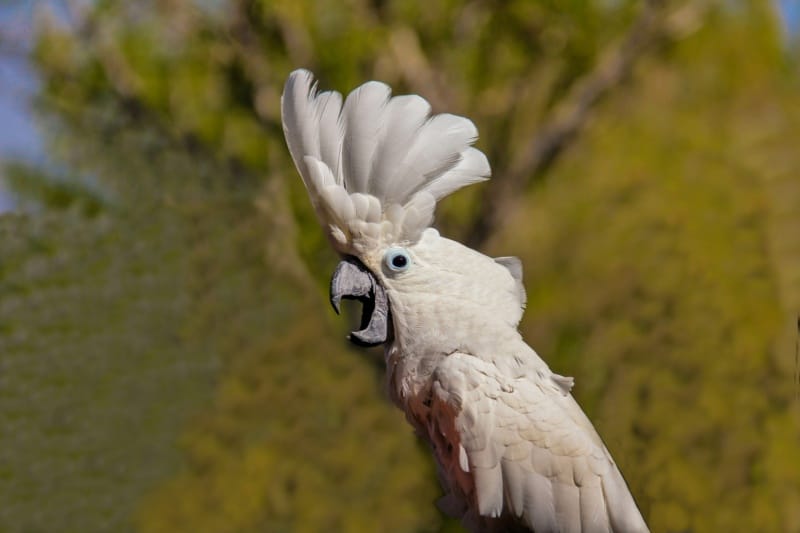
[539, 506]
[566, 498]
[540, 466]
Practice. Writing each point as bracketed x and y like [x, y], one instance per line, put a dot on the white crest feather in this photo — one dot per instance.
[375, 165]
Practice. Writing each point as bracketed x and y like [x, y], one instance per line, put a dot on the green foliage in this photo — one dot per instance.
[169, 362]
[90, 326]
[652, 278]
[297, 441]
[138, 310]
[41, 189]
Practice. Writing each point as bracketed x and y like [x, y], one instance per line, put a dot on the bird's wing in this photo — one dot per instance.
[528, 449]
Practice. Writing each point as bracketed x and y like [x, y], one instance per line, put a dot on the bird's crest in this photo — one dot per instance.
[375, 165]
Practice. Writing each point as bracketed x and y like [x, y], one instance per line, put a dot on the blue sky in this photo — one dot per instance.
[790, 10]
[19, 137]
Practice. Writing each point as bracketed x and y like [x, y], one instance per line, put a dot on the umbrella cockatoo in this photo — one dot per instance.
[514, 450]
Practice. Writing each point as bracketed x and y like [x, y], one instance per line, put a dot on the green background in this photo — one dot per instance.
[168, 359]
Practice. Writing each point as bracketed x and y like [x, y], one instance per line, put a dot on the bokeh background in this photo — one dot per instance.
[168, 359]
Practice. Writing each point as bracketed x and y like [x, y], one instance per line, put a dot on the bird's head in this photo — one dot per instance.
[374, 167]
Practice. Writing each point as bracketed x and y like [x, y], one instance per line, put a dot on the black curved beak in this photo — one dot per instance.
[352, 280]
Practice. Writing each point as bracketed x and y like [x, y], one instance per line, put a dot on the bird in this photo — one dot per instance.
[514, 451]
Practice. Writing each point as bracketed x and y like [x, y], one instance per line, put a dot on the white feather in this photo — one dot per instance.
[418, 214]
[361, 205]
[374, 211]
[567, 498]
[329, 109]
[338, 204]
[473, 167]
[539, 507]
[490, 501]
[594, 516]
[310, 122]
[406, 114]
[386, 149]
[436, 149]
[514, 483]
[362, 119]
[622, 518]
[463, 461]
[547, 483]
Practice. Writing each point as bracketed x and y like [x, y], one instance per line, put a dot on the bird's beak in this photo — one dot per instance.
[353, 280]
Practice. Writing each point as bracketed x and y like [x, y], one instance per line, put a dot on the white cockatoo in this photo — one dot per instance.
[514, 450]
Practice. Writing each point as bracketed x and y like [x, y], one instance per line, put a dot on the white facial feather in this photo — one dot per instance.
[376, 154]
[449, 292]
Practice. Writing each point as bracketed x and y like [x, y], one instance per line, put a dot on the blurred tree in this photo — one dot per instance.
[159, 290]
[666, 278]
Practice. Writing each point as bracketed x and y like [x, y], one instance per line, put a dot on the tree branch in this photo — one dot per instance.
[614, 65]
[416, 69]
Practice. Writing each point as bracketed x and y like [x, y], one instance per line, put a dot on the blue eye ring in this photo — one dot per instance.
[397, 259]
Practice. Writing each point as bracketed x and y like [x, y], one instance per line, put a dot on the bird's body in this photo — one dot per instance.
[514, 450]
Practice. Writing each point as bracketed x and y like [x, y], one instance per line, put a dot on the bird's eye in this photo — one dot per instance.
[397, 259]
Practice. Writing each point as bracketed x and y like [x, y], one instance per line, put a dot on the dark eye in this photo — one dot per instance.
[397, 259]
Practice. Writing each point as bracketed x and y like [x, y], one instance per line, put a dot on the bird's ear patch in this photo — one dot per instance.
[514, 267]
